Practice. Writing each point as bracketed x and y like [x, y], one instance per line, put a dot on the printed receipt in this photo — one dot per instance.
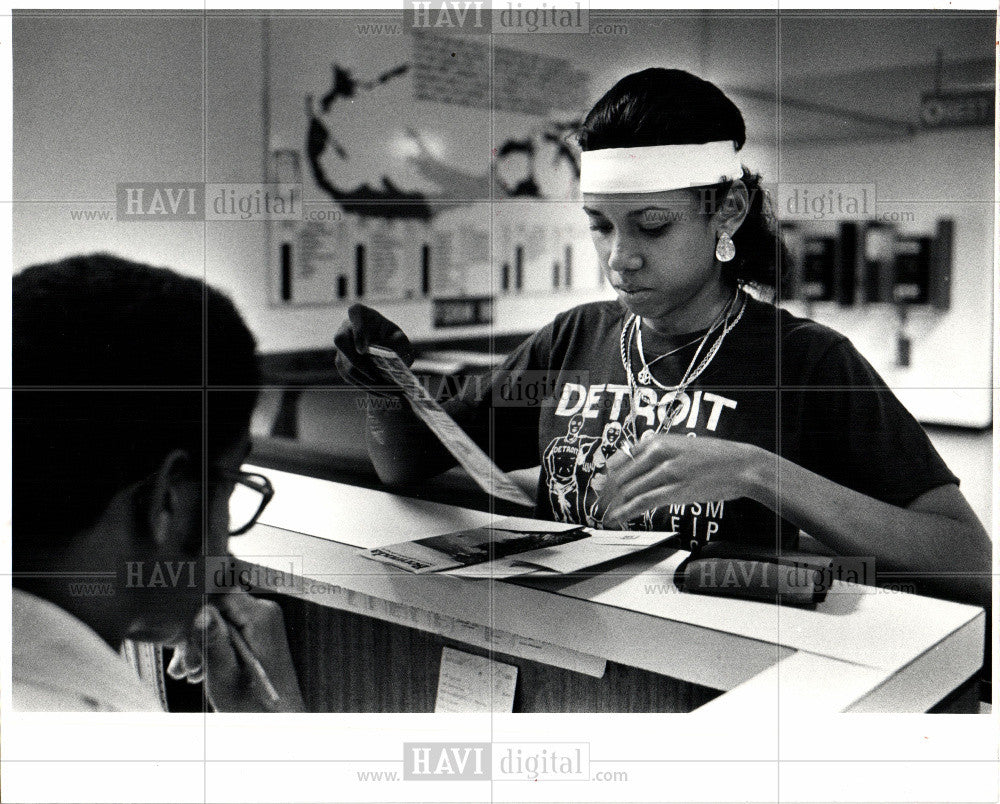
[477, 463]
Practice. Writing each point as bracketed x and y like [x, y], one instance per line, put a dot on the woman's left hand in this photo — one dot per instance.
[675, 469]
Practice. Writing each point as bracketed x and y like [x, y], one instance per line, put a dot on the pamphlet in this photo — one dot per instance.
[466, 548]
[488, 476]
[515, 547]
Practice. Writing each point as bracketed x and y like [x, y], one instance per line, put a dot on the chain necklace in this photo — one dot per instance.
[645, 375]
[689, 376]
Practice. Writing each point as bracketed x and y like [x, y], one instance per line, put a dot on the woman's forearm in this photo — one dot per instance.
[948, 550]
[402, 448]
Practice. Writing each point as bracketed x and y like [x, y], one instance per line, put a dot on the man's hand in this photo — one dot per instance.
[232, 683]
[675, 469]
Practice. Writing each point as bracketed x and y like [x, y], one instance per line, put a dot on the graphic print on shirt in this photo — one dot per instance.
[596, 467]
[563, 462]
[575, 464]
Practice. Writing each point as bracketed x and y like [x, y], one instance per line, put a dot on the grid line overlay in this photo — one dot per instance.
[207, 388]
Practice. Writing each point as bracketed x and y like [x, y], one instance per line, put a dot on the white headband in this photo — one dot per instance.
[656, 168]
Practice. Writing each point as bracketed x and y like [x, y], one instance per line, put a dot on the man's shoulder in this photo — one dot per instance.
[61, 664]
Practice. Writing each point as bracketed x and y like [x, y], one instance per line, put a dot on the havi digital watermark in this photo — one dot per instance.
[437, 761]
[511, 16]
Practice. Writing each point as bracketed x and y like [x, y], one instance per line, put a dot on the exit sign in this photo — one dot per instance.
[950, 109]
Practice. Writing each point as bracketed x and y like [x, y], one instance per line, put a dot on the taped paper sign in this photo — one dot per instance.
[469, 683]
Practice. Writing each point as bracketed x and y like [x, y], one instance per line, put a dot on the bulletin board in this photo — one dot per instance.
[432, 165]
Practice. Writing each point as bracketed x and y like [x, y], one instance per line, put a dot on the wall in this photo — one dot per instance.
[87, 116]
[135, 111]
[932, 175]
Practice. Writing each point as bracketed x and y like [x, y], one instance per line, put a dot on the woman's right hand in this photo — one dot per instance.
[366, 327]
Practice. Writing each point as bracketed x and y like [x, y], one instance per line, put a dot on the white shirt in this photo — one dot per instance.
[61, 664]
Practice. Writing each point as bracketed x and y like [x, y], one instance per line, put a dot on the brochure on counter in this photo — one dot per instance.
[515, 546]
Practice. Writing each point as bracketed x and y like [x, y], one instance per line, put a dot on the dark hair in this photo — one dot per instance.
[658, 106]
[115, 365]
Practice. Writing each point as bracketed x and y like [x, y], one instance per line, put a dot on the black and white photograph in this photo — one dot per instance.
[296, 288]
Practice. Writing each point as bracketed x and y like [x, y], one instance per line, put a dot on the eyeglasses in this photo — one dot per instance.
[251, 494]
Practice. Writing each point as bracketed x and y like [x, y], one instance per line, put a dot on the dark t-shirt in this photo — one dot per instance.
[561, 400]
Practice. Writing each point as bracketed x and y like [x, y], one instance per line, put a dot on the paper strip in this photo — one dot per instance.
[477, 463]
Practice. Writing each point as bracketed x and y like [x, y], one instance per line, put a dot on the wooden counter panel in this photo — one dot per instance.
[351, 663]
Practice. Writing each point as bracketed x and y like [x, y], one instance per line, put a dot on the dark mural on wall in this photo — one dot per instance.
[513, 173]
[387, 201]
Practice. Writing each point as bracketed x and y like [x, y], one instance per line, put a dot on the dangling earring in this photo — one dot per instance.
[725, 248]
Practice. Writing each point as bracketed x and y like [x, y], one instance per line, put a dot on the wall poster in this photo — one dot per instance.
[421, 177]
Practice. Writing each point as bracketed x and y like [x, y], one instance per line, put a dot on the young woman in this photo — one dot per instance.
[688, 405]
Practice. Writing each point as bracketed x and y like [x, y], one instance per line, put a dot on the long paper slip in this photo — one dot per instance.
[477, 463]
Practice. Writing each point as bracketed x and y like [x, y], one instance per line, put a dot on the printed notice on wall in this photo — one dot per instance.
[456, 71]
[322, 271]
[391, 263]
[468, 683]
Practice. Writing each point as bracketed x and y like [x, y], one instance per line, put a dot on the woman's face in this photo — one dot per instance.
[656, 249]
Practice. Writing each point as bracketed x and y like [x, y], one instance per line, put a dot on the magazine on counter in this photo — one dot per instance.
[514, 546]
